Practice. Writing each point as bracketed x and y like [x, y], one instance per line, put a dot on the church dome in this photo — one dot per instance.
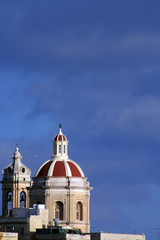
[60, 168]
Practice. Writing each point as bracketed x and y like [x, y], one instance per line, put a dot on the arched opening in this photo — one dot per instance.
[59, 210]
[10, 200]
[79, 211]
[59, 148]
[22, 199]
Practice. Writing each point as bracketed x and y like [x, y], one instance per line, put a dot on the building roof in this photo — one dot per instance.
[17, 167]
[60, 165]
[60, 168]
[60, 136]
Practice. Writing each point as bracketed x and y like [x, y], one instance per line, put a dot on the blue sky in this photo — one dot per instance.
[94, 66]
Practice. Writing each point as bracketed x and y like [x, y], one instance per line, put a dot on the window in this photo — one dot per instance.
[59, 148]
[22, 200]
[64, 148]
[59, 210]
[10, 200]
[54, 149]
[79, 211]
[56, 214]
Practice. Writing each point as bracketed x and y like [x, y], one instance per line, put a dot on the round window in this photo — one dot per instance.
[23, 170]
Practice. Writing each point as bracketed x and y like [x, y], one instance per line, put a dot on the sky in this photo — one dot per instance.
[93, 66]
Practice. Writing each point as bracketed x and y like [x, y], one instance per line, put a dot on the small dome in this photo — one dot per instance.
[60, 168]
[60, 136]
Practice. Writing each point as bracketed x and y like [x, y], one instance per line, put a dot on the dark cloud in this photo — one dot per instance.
[79, 36]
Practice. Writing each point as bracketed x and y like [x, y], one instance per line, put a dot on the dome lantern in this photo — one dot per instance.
[60, 144]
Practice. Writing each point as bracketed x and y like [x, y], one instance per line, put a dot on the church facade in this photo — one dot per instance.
[59, 184]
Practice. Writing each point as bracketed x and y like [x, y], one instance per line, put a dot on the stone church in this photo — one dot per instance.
[59, 194]
[59, 184]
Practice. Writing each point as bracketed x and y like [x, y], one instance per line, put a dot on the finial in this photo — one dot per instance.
[60, 128]
[17, 147]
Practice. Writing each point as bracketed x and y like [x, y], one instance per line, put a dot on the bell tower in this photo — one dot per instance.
[15, 185]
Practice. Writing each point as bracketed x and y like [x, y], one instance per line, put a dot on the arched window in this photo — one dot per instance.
[59, 148]
[10, 200]
[79, 211]
[22, 200]
[59, 210]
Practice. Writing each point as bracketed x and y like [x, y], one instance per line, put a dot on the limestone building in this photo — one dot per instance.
[59, 184]
[25, 221]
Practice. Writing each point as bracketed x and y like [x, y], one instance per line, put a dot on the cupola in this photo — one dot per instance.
[60, 144]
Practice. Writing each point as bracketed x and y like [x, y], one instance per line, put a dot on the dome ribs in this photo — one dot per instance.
[74, 170]
[59, 169]
[60, 165]
[44, 170]
[59, 138]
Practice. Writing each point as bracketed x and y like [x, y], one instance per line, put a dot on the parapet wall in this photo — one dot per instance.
[8, 236]
[116, 236]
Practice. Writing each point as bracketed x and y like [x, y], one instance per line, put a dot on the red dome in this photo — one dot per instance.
[60, 168]
[60, 137]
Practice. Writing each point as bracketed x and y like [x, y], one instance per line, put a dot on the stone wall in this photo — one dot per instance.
[116, 236]
[77, 237]
[38, 221]
[8, 236]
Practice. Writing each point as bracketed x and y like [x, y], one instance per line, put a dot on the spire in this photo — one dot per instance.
[60, 128]
[17, 148]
